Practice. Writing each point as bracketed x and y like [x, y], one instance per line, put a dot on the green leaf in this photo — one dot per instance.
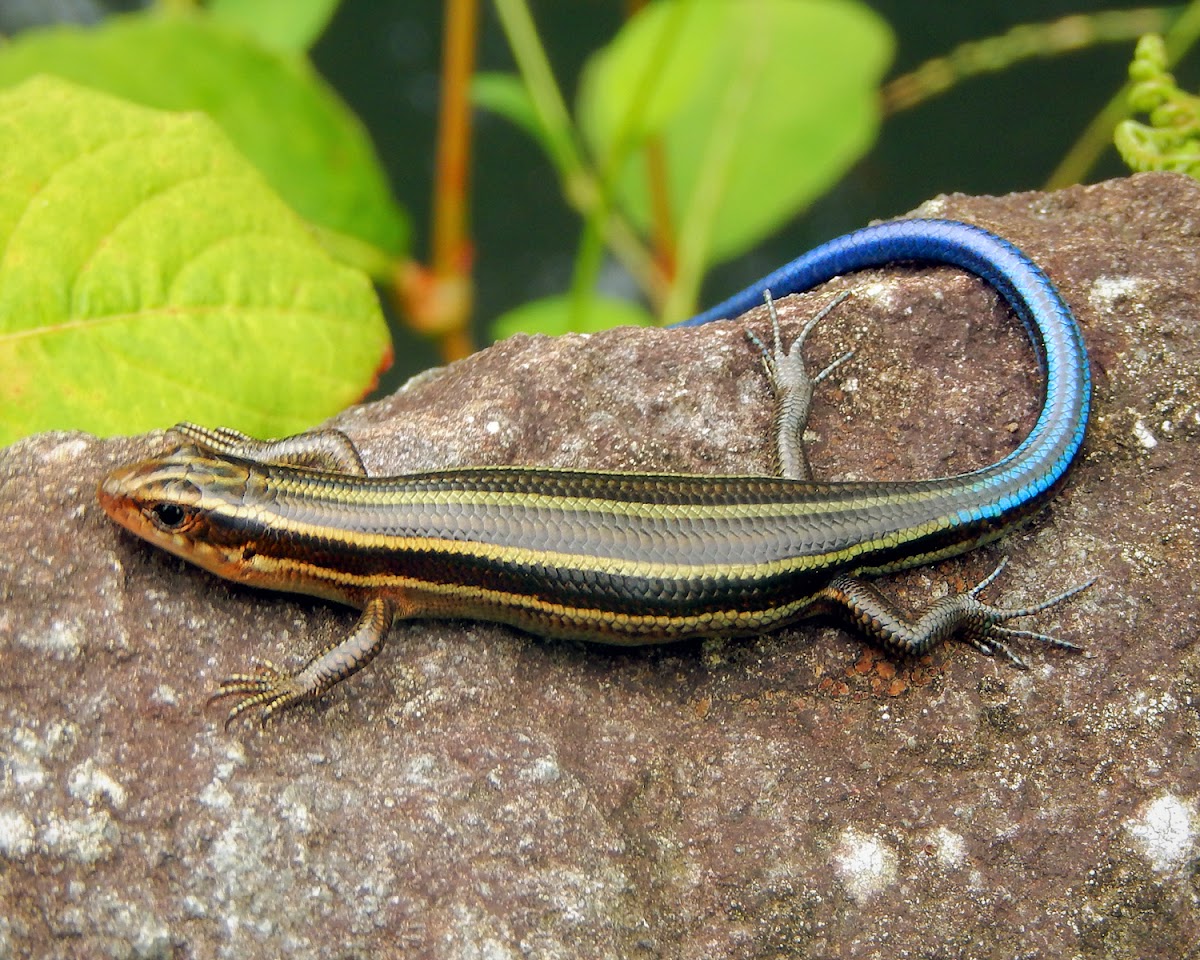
[149, 275]
[760, 106]
[288, 25]
[557, 315]
[505, 95]
[276, 109]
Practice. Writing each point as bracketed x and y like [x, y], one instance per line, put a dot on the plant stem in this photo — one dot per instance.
[437, 300]
[695, 229]
[583, 189]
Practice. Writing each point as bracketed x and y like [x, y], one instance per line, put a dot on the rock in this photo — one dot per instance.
[481, 793]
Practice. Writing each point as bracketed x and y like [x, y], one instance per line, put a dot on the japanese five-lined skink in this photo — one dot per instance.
[624, 558]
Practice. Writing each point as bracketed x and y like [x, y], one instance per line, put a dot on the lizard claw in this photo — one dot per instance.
[268, 686]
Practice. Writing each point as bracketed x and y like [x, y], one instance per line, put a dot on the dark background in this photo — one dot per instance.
[991, 134]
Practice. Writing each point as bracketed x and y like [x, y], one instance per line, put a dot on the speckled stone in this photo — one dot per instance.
[479, 793]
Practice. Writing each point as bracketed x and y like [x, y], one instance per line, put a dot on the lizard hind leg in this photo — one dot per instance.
[979, 624]
[793, 387]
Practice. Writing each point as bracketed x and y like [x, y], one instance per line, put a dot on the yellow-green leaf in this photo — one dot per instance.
[148, 274]
[274, 107]
[289, 25]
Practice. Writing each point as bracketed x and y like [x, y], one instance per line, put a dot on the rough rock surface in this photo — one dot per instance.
[478, 793]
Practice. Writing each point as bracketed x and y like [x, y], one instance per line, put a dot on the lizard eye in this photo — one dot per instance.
[169, 516]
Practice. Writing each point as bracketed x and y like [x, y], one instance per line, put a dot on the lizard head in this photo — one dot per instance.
[189, 502]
